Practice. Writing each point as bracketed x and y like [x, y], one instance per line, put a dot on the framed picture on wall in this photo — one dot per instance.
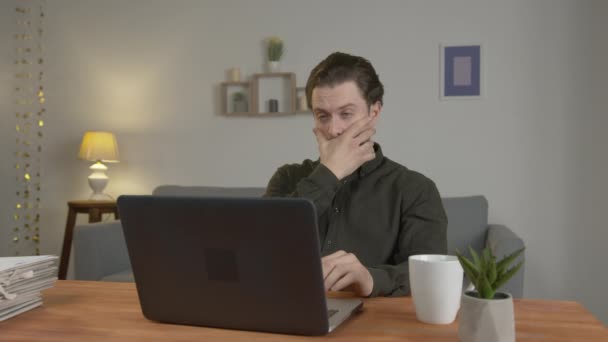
[461, 71]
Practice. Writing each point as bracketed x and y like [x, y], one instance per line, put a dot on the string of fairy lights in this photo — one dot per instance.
[30, 111]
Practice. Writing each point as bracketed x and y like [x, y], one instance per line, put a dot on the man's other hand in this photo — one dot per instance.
[343, 270]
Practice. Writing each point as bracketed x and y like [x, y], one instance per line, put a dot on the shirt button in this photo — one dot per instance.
[337, 210]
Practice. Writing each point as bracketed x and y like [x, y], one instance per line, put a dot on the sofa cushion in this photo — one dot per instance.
[214, 191]
[467, 222]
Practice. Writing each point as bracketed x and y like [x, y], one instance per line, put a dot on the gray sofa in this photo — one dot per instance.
[100, 252]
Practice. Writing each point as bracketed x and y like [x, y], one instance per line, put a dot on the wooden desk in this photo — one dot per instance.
[95, 209]
[101, 311]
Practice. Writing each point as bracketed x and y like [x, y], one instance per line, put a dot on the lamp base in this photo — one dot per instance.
[98, 181]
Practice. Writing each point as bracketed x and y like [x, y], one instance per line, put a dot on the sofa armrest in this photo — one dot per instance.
[503, 241]
[99, 250]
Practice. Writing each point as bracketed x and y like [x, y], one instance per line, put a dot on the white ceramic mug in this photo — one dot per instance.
[436, 287]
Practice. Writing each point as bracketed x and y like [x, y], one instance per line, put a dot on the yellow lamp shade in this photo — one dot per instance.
[99, 146]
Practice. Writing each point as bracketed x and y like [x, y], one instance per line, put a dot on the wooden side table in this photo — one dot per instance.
[95, 209]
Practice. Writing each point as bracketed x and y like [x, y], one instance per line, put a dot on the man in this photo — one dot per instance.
[373, 213]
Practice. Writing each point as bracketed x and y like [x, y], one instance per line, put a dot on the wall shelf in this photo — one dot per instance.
[259, 90]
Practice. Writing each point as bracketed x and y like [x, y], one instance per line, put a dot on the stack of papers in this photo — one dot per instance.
[22, 279]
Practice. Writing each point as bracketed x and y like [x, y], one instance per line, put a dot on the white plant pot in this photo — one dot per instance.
[486, 320]
[274, 66]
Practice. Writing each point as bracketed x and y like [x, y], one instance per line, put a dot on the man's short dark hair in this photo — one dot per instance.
[341, 67]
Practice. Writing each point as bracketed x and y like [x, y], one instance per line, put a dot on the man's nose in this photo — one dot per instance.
[336, 128]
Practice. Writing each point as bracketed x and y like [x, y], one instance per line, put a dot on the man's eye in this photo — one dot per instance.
[323, 117]
[346, 114]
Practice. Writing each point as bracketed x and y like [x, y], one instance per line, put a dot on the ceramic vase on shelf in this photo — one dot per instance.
[235, 74]
[274, 66]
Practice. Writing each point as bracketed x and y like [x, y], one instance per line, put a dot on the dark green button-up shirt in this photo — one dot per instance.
[382, 213]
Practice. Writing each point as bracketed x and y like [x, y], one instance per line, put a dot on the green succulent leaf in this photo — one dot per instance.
[485, 273]
[506, 261]
[486, 255]
[485, 289]
[468, 262]
[469, 269]
[475, 257]
[492, 272]
[506, 276]
[483, 265]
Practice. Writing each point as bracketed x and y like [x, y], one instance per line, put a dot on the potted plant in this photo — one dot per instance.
[485, 313]
[239, 102]
[275, 52]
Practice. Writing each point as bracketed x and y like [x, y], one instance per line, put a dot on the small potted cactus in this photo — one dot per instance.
[486, 314]
[275, 52]
[239, 102]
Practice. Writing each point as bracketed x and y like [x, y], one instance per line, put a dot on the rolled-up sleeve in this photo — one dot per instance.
[320, 186]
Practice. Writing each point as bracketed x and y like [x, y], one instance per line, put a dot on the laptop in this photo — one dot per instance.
[236, 263]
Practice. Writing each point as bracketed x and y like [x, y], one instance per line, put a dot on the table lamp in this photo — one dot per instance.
[99, 147]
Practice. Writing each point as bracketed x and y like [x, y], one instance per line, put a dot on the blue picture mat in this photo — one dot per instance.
[471, 56]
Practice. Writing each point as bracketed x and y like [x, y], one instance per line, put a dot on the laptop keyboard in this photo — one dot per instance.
[331, 312]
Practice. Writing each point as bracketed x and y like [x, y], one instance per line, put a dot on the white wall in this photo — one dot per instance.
[149, 71]
[586, 184]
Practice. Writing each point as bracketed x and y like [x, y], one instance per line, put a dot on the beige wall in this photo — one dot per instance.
[149, 71]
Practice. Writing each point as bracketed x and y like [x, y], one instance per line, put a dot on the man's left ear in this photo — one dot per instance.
[375, 109]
